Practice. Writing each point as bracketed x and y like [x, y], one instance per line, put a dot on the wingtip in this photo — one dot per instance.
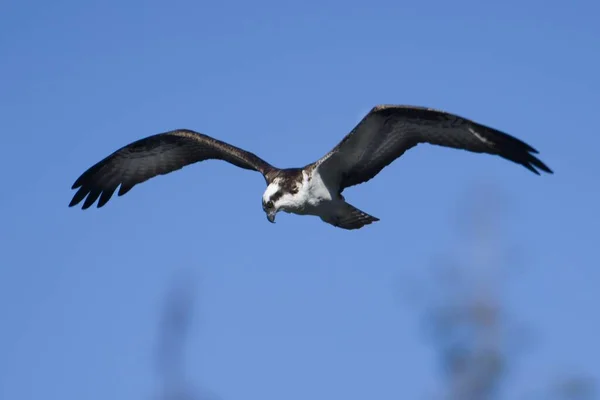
[547, 170]
[79, 181]
[533, 162]
[74, 203]
[535, 168]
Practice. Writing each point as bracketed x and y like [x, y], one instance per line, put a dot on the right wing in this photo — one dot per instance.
[388, 131]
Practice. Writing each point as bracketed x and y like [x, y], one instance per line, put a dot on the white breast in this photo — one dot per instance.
[316, 188]
[313, 197]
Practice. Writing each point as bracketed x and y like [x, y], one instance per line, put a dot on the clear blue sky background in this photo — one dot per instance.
[299, 309]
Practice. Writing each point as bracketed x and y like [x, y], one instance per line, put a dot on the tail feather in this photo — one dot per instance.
[350, 217]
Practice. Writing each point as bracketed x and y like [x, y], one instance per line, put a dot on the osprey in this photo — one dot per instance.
[383, 135]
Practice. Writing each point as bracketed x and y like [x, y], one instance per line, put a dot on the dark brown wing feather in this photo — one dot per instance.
[387, 131]
[157, 155]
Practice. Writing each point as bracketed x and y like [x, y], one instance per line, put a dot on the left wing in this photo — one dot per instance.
[156, 155]
[387, 131]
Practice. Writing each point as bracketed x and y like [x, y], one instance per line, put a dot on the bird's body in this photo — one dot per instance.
[382, 136]
[302, 191]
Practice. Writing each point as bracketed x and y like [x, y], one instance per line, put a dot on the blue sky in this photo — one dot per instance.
[298, 309]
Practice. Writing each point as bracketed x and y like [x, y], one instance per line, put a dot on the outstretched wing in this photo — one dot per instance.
[387, 131]
[156, 155]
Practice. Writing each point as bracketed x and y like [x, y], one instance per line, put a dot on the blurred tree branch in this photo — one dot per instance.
[174, 328]
[464, 314]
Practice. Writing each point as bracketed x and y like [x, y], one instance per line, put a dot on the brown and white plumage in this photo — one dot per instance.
[383, 135]
[157, 155]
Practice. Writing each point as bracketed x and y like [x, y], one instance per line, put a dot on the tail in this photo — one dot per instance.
[349, 217]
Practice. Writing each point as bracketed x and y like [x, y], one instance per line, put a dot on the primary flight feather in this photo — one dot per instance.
[383, 135]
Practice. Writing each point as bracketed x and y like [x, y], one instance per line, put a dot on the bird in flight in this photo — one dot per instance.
[383, 135]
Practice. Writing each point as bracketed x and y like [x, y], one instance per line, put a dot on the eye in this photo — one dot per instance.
[269, 204]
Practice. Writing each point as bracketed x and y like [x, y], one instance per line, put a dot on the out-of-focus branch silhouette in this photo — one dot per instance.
[464, 318]
[174, 329]
[475, 340]
[574, 387]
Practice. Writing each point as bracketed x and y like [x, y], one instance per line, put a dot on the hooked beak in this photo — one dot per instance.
[271, 216]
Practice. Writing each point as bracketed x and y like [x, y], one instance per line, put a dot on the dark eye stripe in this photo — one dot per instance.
[276, 196]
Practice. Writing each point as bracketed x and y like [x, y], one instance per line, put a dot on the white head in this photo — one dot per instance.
[279, 196]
